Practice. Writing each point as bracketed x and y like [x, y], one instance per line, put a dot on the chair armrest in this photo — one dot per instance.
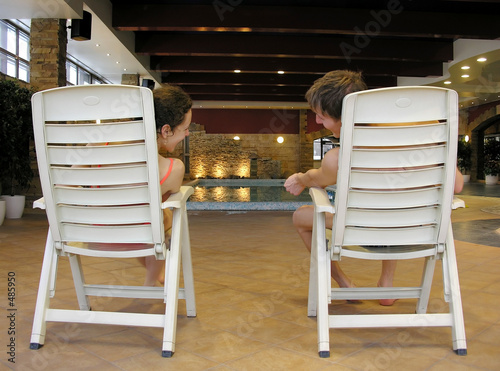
[177, 199]
[457, 203]
[39, 204]
[321, 201]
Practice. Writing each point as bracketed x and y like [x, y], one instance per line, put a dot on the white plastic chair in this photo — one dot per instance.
[395, 186]
[98, 163]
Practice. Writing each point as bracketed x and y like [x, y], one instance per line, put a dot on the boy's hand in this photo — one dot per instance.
[293, 185]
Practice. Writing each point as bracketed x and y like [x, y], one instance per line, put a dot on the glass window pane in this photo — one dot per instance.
[24, 46]
[84, 77]
[3, 35]
[3, 62]
[24, 72]
[11, 66]
[11, 39]
[71, 73]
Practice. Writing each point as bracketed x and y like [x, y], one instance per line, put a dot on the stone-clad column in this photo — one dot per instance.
[306, 144]
[48, 46]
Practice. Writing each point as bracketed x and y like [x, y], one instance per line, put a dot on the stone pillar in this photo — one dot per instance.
[306, 144]
[48, 45]
[130, 79]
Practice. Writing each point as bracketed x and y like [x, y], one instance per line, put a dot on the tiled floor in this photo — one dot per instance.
[251, 274]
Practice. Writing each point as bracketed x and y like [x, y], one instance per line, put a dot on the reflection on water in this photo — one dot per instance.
[246, 193]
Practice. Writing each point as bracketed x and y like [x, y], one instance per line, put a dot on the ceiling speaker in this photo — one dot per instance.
[147, 83]
[81, 29]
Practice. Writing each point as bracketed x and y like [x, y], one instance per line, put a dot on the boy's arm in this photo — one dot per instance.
[324, 176]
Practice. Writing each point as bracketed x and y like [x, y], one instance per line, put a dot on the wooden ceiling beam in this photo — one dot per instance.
[311, 46]
[313, 66]
[393, 18]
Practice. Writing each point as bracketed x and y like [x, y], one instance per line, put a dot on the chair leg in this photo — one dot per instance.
[187, 267]
[47, 278]
[171, 288]
[312, 298]
[455, 303]
[426, 284]
[321, 258]
[79, 281]
[322, 295]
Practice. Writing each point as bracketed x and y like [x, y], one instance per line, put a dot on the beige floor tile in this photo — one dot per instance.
[251, 293]
[222, 347]
[182, 360]
[277, 359]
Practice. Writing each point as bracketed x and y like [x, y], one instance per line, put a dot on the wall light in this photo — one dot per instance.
[280, 140]
[466, 138]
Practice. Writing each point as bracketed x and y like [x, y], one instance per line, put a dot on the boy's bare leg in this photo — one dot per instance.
[302, 221]
[386, 279]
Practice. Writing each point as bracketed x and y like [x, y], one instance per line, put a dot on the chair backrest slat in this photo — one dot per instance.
[98, 161]
[396, 166]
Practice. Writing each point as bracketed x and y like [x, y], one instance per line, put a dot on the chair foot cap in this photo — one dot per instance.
[35, 346]
[324, 354]
[167, 354]
[461, 352]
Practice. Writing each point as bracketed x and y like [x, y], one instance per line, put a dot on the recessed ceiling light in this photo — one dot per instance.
[117, 62]
[237, 71]
[97, 44]
[281, 72]
[107, 55]
[482, 59]
[124, 69]
[465, 75]
[465, 67]
[447, 82]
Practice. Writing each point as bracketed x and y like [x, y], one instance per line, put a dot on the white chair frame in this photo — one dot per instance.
[349, 213]
[142, 224]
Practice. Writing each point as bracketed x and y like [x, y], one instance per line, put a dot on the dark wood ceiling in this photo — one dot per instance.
[199, 44]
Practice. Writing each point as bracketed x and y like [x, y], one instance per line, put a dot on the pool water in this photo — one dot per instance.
[244, 194]
[241, 190]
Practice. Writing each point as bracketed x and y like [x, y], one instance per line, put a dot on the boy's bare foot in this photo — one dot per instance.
[386, 302]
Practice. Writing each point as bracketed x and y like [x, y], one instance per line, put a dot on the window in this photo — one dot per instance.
[78, 74]
[322, 146]
[14, 50]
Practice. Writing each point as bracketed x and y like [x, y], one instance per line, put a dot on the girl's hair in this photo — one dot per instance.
[326, 94]
[171, 105]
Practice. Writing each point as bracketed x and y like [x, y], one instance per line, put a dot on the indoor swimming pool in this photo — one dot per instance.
[244, 194]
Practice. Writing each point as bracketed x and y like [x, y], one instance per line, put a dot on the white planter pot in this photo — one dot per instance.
[2, 211]
[466, 178]
[491, 179]
[14, 206]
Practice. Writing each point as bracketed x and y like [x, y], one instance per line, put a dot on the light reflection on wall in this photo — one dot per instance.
[240, 168]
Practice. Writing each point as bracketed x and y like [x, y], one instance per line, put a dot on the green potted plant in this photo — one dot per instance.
[16, 132]
[464, 161]
[491, 160]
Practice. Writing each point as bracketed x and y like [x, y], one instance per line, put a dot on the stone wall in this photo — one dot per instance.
[220, 156]
[48, 45]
